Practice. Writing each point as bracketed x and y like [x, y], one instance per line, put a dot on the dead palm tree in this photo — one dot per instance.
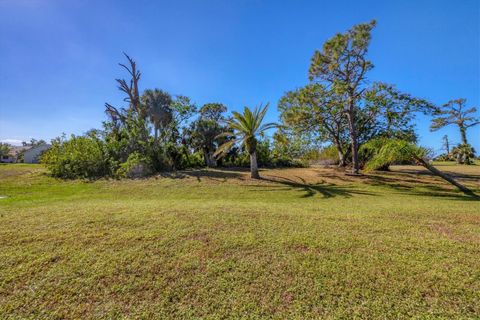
[244, 130]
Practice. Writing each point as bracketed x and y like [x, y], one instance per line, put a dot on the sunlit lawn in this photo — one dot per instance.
[303, 243]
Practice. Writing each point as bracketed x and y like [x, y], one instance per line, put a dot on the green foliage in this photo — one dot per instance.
[4, 149]
[244, 129]
[193, 160]
[316, 113]
[388, 113]
[326, 155]
[136, 166]
[444, 157]
[80, 157]
[463, 154]
[158, 104]
[342, 60]
[33, 143]
[382, 152]
[203, 133]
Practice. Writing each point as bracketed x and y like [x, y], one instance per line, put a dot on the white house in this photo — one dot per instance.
[13, 154]
[33, 154]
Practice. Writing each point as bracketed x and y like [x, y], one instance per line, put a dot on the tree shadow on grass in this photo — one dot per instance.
[219, 175]
[322, 188]
[410, 185]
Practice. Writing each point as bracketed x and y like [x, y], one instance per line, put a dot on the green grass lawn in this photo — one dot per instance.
[301, 244]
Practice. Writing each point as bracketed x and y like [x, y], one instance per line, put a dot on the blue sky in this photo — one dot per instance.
[58, 59]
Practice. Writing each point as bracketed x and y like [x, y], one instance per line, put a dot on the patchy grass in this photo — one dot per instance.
[302, 243]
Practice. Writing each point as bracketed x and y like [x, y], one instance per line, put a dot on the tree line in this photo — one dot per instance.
[339, 107]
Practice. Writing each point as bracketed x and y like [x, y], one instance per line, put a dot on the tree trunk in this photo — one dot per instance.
[444, 176]
[341, 159]
[253, 166]
[353, 139]
[463, 133]
[205, 157]
[209, 159]
[342, 162]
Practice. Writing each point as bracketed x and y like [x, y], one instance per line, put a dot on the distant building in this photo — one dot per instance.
[13, 155]
[33, 154]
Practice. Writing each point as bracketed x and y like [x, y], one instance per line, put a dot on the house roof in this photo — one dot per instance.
[15, 150]
[43, 146]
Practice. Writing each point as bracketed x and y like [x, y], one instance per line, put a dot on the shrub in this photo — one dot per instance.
[463, 154]
[326, 155]
[193, 160]
[136, 166]
[444, 157]
[79, 157]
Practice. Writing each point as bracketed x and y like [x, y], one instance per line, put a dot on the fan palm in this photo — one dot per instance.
[158, 106]
[245, 127]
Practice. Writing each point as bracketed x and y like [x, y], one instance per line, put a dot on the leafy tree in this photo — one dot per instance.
[342, 65]
[33, 142]
[4, 149]
[290, 145]
[388, 113]
[203, 132]
[315, 110]
[244, 131]
[83, 157]
[454, 112]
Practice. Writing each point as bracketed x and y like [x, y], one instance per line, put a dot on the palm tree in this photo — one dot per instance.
[244, 129]
[158, 105]
[394, 150]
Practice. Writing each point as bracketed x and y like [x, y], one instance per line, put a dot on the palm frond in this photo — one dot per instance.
[225, 135]
[393, 150]
[224, 148]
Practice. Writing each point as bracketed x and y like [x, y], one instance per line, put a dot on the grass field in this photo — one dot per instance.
[300, 244]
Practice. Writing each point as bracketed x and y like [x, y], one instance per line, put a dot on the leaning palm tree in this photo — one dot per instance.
[393, 150]
[244, 129]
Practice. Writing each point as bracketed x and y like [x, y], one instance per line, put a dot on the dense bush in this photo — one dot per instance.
[193, 160]
[82, 157]
[136, 166]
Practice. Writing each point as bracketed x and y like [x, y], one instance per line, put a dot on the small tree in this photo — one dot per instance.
[4, 149]
[244, 131]
[315, 110]
[454, 112]
[203, 132]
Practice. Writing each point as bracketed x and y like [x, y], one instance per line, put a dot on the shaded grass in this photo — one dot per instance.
[301, 243]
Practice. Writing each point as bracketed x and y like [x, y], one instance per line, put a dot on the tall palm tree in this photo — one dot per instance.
[244, 130]
[158, 106]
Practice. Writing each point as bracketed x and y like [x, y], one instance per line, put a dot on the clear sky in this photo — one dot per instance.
[58, 59]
